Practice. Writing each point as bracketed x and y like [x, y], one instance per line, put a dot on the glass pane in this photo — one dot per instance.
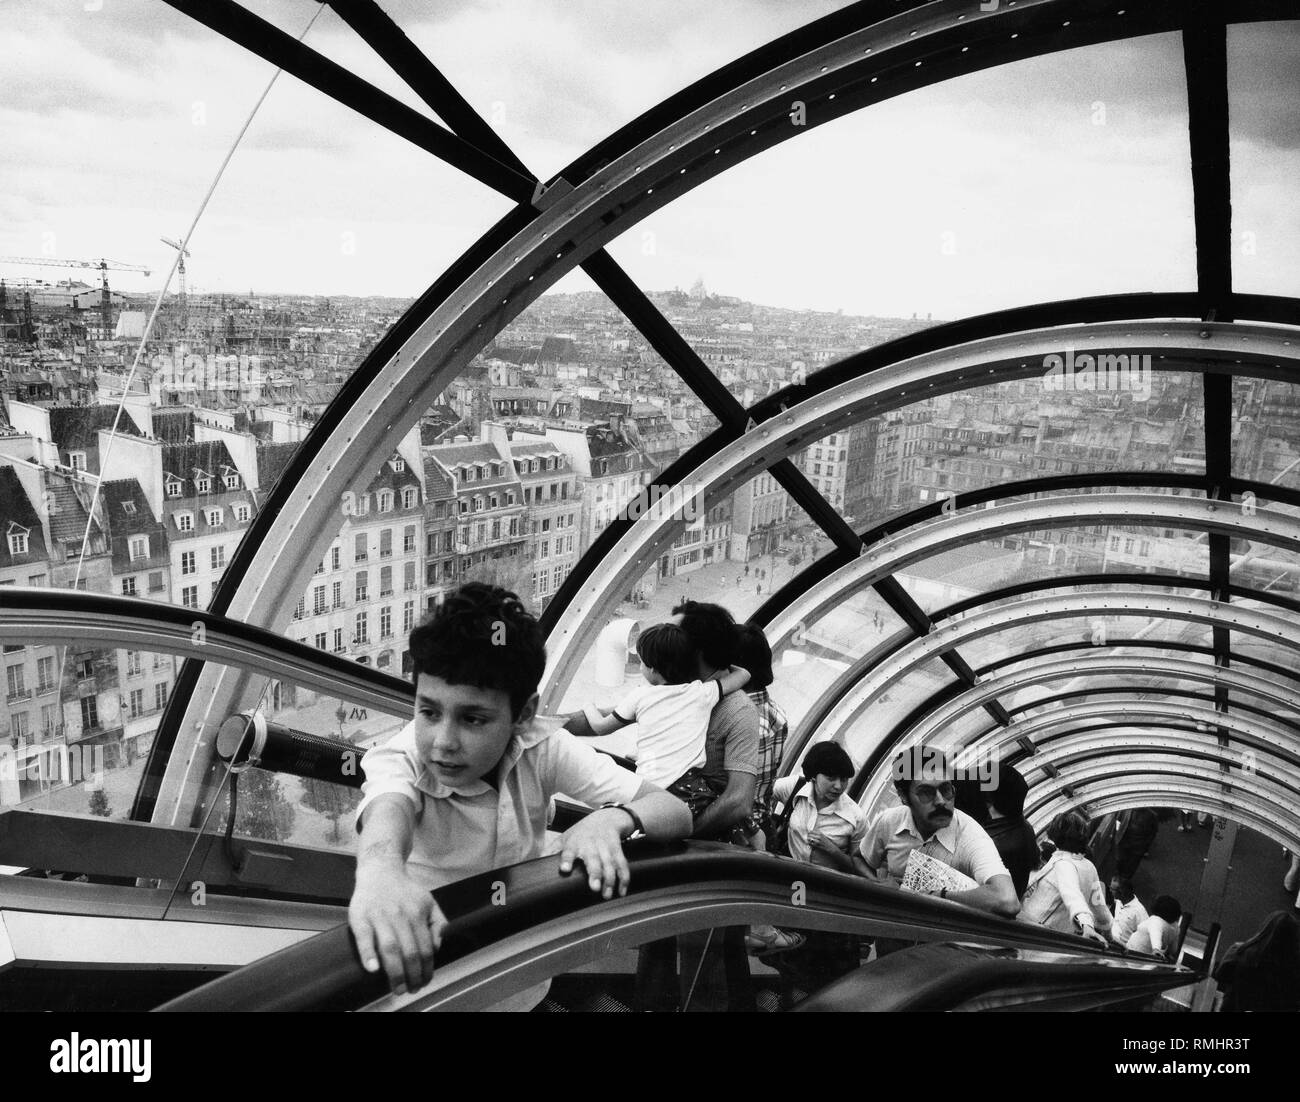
[965, 572]
[735, 552]
[1266, 433]
[979, 438]
[807, 665]
[77, 724]
[892, 706]
[553, 81]
[949, 219]
[311, 246]
[1024, 637]
[1263, 94]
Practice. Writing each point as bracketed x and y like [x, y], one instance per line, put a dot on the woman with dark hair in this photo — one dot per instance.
[1005, 824]
[1264, 973]
[1066, 894]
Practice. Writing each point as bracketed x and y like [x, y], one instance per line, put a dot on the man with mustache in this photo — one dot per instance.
[928, 821]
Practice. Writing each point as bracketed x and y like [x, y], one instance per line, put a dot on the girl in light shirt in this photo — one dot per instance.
[1066, 894]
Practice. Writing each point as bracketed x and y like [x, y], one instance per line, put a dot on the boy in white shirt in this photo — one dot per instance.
[671, 711]
[465, 787]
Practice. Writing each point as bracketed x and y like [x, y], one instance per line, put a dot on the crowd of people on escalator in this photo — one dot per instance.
[465, 789]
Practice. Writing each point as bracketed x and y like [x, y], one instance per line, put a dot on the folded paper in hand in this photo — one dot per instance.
[929, 876]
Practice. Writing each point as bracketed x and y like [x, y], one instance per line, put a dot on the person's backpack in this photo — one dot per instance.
[778, 837]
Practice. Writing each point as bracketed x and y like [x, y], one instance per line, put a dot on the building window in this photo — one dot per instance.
[156, 581]
[363, 586]
[492, 501]
[408, 577]
[15, 683]
[546, 549]
[464, 505]
[133, 663]
[510, 497]
[44, 674]
[336, 594]
[386, 543]
[128, 587]
[301, 610]
[322, 640]
[187, 562]
[185, 522]
[137, 703]
[138, 547]
[385, 622]
[399, 465]
[408, 617]
[203, 485]
[363, 505]
[18, 540]
[408, 539]
[384, 660]
[231, 481]
[336, 558]
[338, 640]
[218, 557]
[386, 581]
[216, 516]
[360, 551]
[385, 501]
[363, 628]
[160, 696]
[89, 713]
[408, 497]
[318, 600]
[190, 596]
[173, 489]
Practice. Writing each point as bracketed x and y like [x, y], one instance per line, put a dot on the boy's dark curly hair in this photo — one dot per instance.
[667, 649]
[484, 637]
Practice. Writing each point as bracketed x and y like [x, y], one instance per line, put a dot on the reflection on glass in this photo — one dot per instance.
[811, 659]
[735, 552]
[888, 709]
[78, 725]
[1263, 91]
[1096, 630]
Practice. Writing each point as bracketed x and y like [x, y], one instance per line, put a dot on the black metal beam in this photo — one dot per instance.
[424, 78]
[285, 52]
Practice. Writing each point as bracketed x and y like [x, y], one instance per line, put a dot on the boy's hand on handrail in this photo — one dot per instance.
[396, 924]
[597, 841]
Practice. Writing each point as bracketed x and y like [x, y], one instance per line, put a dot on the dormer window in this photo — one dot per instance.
[185, 522]
[399, 464]
[216, 516]
[408, 498]
[241, 515]
[231, 481]
[77, 461]
[138, 547]
[173, 487]
[467, 475]
[203, 485]
[18, 539]
[128, 507]
[480, 472]
[385, 501]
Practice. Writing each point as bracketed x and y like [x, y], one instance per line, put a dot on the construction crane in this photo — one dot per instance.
[180, 272]
[105, 303]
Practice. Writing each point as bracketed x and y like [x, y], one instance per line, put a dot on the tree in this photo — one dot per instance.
[264, 810]
[331, 800]
[99, 803]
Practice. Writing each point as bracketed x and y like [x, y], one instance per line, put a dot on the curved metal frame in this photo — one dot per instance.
[679, 147]
[1121, 712]
[861, 683]
[1084, 746]
[1101, 665]
[1121, 794]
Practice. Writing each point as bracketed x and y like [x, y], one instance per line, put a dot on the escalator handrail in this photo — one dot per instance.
[325, 973]
[942, 977]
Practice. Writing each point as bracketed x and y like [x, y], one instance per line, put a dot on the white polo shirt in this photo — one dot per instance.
[460, 832]
[670, 723]
[843, 821]
[963, 844]
[1128, 917]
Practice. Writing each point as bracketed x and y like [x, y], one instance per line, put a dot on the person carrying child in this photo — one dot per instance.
[671, 711]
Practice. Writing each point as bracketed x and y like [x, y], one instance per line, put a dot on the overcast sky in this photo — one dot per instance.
[1046, 179]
